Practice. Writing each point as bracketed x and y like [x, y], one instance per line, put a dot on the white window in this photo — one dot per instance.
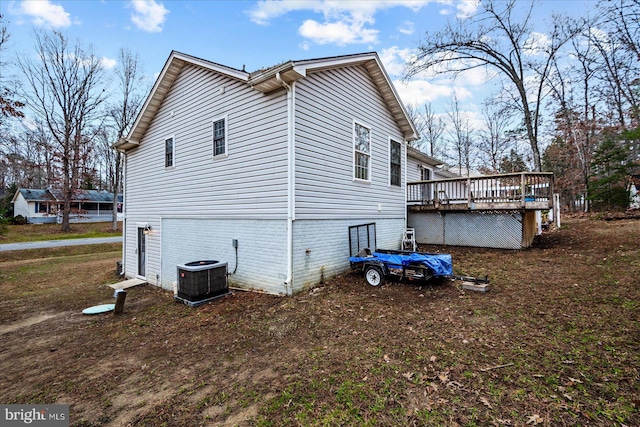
[395, 163]
[220, 137]
[361, 152]
[169, 152]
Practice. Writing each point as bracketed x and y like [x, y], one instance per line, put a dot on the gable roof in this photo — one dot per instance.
[35, 195]
[423, 157]
[266, 81]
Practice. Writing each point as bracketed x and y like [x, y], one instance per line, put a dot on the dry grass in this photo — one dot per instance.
[38, 232]
[554, 343]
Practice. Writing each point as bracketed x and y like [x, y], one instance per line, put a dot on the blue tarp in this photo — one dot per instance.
[440, 264]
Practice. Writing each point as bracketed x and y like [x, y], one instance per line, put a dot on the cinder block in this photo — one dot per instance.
[470, 286]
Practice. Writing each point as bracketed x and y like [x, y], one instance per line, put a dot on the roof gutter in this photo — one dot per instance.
[291, 208]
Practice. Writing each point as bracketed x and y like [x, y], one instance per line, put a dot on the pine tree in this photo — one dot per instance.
[609, 172]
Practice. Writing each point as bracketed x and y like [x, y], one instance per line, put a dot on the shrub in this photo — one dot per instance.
[19, 220]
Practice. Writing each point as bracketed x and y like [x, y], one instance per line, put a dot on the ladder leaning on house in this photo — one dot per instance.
[409, 240]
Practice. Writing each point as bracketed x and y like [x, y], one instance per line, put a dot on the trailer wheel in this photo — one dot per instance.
[373, 275]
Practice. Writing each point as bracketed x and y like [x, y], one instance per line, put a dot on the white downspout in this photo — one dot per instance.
[124, 214]
[291, 208]
[404, 164]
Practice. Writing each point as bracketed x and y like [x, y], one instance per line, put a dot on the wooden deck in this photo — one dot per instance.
[515, 191]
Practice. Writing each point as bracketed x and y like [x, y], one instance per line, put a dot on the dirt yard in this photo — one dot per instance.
[556, 342]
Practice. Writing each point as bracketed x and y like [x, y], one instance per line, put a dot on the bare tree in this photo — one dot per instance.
[9, 107]
[459, 131]
[494, 143]
[433, 128]
[502, 38]
[572, 88]
[66, 92]
[430, 128]
[123, 113]
[624, 17]
[416, 117]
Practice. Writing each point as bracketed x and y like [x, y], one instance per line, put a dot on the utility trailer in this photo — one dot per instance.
[383, 263]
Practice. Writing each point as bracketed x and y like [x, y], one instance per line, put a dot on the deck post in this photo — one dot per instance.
[522, 189]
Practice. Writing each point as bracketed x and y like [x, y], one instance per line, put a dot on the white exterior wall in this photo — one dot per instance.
[22, 207]
[250, 183]
[328, 198]
[262, 251]
[327, 103]
[413, 170]
[321, 247]
[635, 197]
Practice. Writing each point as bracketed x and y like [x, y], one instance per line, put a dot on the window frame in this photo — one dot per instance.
[173, 152]
[391, 164]
[356, 152]
[225, 121]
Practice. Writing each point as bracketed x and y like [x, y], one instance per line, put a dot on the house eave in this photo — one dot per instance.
[418, 155]
[125, 144]
[266, 81]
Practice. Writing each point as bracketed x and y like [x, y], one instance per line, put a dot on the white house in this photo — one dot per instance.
[273, 172]
[35, 205]
[634, 191]
[45, 206]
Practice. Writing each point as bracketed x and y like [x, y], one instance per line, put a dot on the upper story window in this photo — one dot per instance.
[395, 163]
[168, 152]
[220, 137]
[361, 152]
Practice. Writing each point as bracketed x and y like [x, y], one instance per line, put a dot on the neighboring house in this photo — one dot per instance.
[281, 173]
[422, 167]
[634, 191]
[45, 206]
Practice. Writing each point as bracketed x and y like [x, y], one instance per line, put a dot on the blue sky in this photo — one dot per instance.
[258, 34]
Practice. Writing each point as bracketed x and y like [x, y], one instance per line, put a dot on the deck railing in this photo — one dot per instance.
[532, 190]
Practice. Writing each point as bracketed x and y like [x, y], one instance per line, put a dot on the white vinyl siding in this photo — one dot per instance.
[250, 184]
[324, 122]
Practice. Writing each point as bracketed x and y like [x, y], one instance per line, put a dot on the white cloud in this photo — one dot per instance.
[46, 13]
[420, 92]
[344, 22]
[266, 10]
[478, 76]
[537, 43]
[108, 63]
[600, 36]
[407, 28]
[394, 59]
[467, 8]
[339, 33]
[148, 15]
